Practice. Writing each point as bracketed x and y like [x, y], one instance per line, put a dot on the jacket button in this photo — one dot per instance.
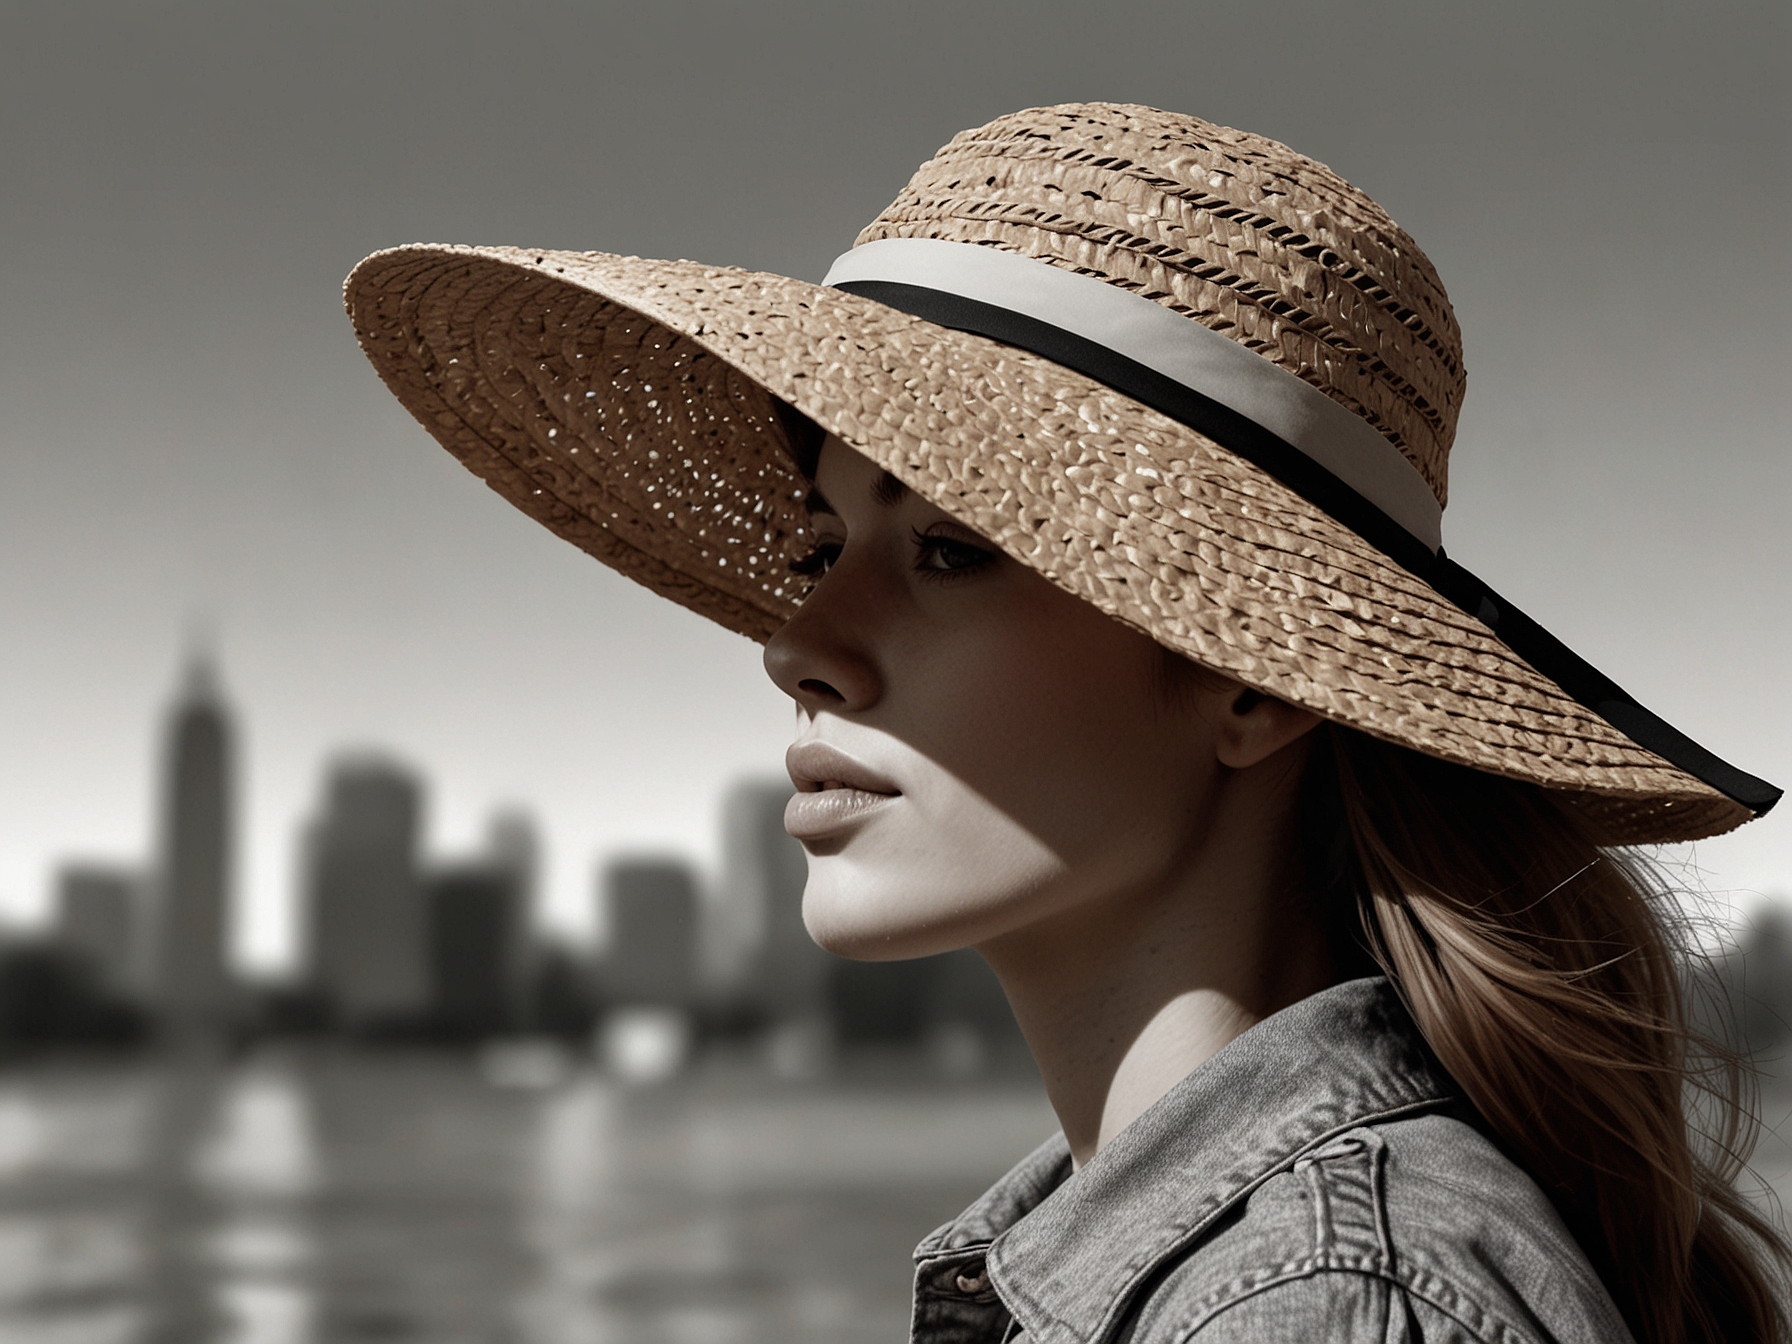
[972, 1279]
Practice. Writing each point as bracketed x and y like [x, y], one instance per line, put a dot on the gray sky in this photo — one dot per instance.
[188, 435]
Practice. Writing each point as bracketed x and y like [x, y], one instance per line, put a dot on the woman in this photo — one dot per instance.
[1090, 511]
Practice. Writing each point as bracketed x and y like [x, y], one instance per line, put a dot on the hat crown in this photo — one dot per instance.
[1229, 229]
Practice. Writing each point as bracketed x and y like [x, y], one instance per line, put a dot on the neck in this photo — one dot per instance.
[1123, 995]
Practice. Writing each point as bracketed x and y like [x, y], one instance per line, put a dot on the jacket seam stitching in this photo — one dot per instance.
[1492, 1330]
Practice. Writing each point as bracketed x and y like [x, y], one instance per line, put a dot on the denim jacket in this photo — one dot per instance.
[1319, 1179]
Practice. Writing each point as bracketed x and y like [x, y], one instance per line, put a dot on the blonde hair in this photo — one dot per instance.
[1545, 973]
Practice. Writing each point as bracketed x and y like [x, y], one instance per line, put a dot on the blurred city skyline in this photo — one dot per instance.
[398, 947]
[192, 441]
[374, 904]
[137, 870]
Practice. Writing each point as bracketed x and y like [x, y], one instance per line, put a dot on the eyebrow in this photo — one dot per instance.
[889, 491]
[886, 490]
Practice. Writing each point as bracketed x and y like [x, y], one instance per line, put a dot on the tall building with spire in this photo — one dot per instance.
[189, 986]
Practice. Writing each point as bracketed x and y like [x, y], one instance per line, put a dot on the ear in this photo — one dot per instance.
[1250, 727]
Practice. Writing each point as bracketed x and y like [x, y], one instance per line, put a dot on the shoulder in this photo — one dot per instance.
[1410, 1229]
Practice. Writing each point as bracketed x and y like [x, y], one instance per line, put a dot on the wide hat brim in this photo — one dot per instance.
[626, 404]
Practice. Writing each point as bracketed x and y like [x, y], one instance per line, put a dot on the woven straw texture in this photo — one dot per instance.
[625, 403]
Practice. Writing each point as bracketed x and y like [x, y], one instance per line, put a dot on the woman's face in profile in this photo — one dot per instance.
[977, 750]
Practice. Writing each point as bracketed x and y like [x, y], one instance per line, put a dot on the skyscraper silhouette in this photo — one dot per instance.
[476, 988]
[515, 846]
[651, 910]
[189, 987]
[367, 908]
[763, 874]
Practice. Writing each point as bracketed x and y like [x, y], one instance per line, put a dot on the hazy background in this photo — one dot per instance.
[192, 446]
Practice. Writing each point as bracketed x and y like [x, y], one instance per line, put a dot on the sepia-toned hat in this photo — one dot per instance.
[1185, 373]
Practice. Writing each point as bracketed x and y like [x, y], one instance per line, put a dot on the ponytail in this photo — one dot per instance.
[1544, 974]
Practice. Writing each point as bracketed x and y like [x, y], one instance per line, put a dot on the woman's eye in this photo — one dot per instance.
[817, 561]
[942, 556]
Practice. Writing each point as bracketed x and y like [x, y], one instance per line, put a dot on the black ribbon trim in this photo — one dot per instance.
[1320, 487]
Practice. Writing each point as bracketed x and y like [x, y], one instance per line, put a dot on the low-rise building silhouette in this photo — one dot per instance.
[561, 997]
[51, 997]
[882, 1002]
[99, 919]
[1743, 999]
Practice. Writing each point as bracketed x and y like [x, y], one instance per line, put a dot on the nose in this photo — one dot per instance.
[821, 657]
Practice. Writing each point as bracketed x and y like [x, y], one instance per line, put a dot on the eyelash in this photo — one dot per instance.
[971, 558]
[932, 545]
[815, 562]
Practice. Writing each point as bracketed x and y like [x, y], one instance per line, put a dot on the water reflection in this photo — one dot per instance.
[317, 1196]
[331, 1197]
[258, 1162]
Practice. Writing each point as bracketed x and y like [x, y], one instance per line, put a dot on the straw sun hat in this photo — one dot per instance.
[1185, 373]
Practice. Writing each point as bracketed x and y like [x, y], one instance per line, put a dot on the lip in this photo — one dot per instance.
[834, 792]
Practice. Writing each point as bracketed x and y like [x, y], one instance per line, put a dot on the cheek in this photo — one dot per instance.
[1047, 715]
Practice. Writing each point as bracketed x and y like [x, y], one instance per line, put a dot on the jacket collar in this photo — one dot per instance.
[1070, 1252]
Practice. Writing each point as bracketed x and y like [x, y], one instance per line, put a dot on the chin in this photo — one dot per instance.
[853, 920]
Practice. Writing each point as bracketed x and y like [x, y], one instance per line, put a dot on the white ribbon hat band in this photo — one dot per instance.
[1177, 347]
